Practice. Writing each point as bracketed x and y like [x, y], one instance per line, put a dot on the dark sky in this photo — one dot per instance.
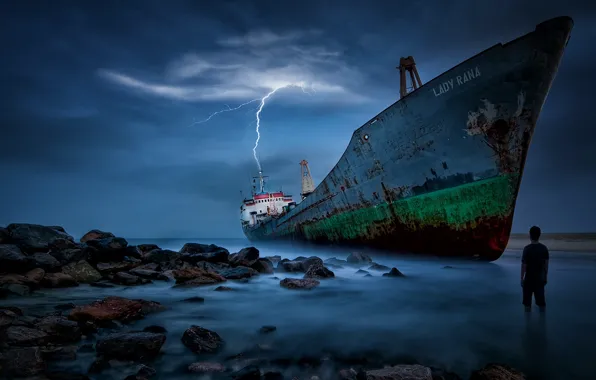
[98, 101]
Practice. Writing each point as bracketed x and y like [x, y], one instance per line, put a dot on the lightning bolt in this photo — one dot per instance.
[228, 109]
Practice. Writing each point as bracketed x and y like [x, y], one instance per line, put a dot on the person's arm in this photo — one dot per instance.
[546, 260]
[523, 267]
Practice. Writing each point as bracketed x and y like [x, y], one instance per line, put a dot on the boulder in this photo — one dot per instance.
[22, 362]
[245, 257]
[318, 271]
[238, 273]
[495, 371]
[195, 252]
[65, 256]
[196, 276]
[7, 317]
[58, 280]
[201, 340]
[160, 256]
[59, 329]
[263, 265]
[12, 259]
[35, 237]
[378, 267]
[108, 249]
[130, 345]
[114, 267]
[4, 236]
[44, 261]
[206, 367]
[129, 279]
[296, 283]
[394, 272]
[82, 272]
[358, 258]
[410, 372]
[149, 274]
[144, 248]
[25, 336]
[96, 235]
[274, 259]
[250, 372]
[35, 275]
[15, 289]
[299, 264]
[114, 309]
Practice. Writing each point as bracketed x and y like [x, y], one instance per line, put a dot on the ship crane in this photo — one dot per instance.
[307, 184]
[408, 64]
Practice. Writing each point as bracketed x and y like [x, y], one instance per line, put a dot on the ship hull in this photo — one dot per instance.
[437, 172]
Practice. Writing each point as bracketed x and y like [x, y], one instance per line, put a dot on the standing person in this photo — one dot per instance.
[534, 271]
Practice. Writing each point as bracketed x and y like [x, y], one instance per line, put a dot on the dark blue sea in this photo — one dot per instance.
[458, 318]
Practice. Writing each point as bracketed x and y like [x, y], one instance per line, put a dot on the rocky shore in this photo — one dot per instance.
[34, 257]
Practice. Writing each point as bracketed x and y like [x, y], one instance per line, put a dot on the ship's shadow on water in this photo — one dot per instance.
[453, 314]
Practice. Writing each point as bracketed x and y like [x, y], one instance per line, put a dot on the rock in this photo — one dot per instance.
[223, 289]
[194, 299]
[82, 272]
[299, 264]
[250, 372]
[60, 329]
[35, 237]
[4, 236]
[360, 271]
[59, 352]
[213, 267]
[495, 371]
[133, 252]
[263, 265]
[25, 336]
[441, 374]
[6, 318]
[65, 306]
[130, 345]
[201, 340]
[318, 271]
[267, 329]
[398, 372]
[12, 260]
[155, 329]
[62, 244]
[195, 252]
[145, 371]
[13, 309]
[144, 248]
[196, 276]
[16, 289]
[107, 249]
[35, 275]
[114, 309]
[58, 280]
[394, 272]
[335, 261]
[22, 362]
[206, 367]
[149, 274]
[96, 235]
[296, 283]
[349, 374]
[378, 267]
[129, 279]
[273, 259]
[66, 256]
[161, 256]
[114, 267]
[238, 273]
[44, 261]
[273, 376]
[245, 257]
[358, 258]
[101, 285]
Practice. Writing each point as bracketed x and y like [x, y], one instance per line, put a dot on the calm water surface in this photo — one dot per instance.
[457, 318]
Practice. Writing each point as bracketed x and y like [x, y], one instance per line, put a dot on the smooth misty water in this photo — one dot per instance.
[458, 318]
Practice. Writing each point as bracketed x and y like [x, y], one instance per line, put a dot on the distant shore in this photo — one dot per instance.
[570, 242]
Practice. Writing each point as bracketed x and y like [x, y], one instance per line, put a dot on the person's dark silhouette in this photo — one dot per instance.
[534, 271]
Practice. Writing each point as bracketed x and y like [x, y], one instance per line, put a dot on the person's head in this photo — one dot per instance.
[535, 233]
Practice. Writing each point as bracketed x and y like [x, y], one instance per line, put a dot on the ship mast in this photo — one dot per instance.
[408, 64]
[307, 185]
[261, 179]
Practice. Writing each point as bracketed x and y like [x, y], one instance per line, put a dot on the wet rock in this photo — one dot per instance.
[129, 279]
[114, 309]
[59, 329]
[99, 365]
[250, 372]
[144, 248]
[368, 275]
[349, 374]
[238, 273]
[96, 235]
[160, 256]
[130, 345]
[62, 244]
[144, 371]
[15, 289]
[440, 374]
[4, 236]
[194, 299]
[25, 336]
[22, 362]
[245, 257]
[114, 267]
[112, 249]
[360, 271]
[223, 289]
[101, 285]
[358, 258]
[263, 265]
[201, 340]
[495, 371]
[295, 283]
[65, 256]
[35, 275]
[44, 261]
[132, 252]
[267, 329]
[394, 272]
[195, 252]
[299, 264]
[7, 317]
[213, 267]
[398, 372]
[149, 274]
[196, 276]
[82, 272]
[65, 306]
[62, 375]
[378, 267]
[59, 352]
[13, 309]
[318, 271]
[335, 261]
[35, 237]
[273, 376]
[155, 329]
[206, 367]
[12, 259]
[274, 259]
[58, 280]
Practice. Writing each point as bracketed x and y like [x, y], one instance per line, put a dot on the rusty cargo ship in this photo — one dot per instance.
[438, 171]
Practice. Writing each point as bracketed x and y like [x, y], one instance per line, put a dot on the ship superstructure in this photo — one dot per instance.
[264, 205]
